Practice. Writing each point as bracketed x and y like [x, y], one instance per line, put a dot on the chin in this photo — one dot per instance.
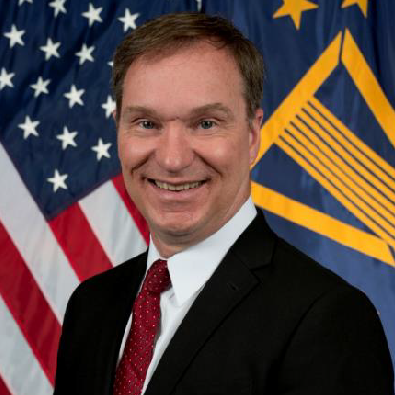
[177, 229]
[177, 226]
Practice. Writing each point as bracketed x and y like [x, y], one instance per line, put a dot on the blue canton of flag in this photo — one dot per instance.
[57, 107]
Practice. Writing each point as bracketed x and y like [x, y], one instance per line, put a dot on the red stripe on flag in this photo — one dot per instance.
[138, 218]
[28, 305]
[3, 388]
[82, 248]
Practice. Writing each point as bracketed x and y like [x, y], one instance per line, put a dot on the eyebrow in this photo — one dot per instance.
[138, 110]
[212, 107]
[128, 111]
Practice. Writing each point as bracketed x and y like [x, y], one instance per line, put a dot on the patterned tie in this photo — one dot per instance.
[132, 369]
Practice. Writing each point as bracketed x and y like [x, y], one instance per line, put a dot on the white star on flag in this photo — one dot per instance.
[101, 149]
[5, 79]
[50, 49]
[58, 6]
[40, 86]
[93, 14]
[74, 96]
[67, 138]
[29, 127]
[199, 4]
[15, 36]
[27, 1]
[129, 20]
[85, 54]
[109, 106]
[58, 180]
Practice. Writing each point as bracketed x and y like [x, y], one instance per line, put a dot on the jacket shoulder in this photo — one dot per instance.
[288, 276]
[101, 284]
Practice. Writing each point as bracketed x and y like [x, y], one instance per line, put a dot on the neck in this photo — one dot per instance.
[171, 243]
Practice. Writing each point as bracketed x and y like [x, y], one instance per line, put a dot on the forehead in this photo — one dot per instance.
[194, 75]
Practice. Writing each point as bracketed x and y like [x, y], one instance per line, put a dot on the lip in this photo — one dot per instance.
[176, 181]
[183, 195]
[177, 186]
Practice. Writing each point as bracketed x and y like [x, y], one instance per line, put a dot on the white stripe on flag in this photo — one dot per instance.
[112, 224]
[19, 368]
[34, 239]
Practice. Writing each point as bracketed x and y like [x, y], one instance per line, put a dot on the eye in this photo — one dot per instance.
[147, 124]
[206, 124]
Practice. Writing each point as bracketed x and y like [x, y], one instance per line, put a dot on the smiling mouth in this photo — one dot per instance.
[176, 187]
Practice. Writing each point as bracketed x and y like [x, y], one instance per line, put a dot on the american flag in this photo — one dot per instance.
[64, 212]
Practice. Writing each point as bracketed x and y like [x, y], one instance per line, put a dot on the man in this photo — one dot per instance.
[226, 306]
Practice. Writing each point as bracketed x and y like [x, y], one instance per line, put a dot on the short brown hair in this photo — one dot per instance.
[171, 32]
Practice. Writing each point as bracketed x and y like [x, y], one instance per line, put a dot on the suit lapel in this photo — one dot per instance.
[229, 285]
[118, 307]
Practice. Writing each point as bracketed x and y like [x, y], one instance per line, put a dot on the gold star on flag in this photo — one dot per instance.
[363, 5]
[294, 9]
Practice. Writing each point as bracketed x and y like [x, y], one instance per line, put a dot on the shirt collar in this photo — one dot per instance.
[192, 267]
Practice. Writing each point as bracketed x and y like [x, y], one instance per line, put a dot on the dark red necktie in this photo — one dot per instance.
[139, 346]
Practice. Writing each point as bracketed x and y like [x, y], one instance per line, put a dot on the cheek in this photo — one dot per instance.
[226, 156]
[132, 153]
[122, 151]
[232, 153]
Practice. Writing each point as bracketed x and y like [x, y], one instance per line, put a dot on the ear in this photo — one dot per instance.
[255, 135]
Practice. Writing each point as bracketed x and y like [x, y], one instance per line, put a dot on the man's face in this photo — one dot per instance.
[185, 143]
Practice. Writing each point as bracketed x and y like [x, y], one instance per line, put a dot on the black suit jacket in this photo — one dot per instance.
[269, 321]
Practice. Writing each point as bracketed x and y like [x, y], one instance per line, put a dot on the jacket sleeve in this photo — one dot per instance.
[66, 348]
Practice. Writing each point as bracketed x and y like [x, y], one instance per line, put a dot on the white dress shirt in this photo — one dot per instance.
[189, 271]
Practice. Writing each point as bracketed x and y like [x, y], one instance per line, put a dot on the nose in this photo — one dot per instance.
[174, 151]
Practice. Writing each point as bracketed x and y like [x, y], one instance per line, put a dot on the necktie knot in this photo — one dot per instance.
[158, 277]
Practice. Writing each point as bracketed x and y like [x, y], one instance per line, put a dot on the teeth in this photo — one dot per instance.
[182, 187]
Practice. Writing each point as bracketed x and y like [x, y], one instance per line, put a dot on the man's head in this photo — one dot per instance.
[172, 32]
[187, 130]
